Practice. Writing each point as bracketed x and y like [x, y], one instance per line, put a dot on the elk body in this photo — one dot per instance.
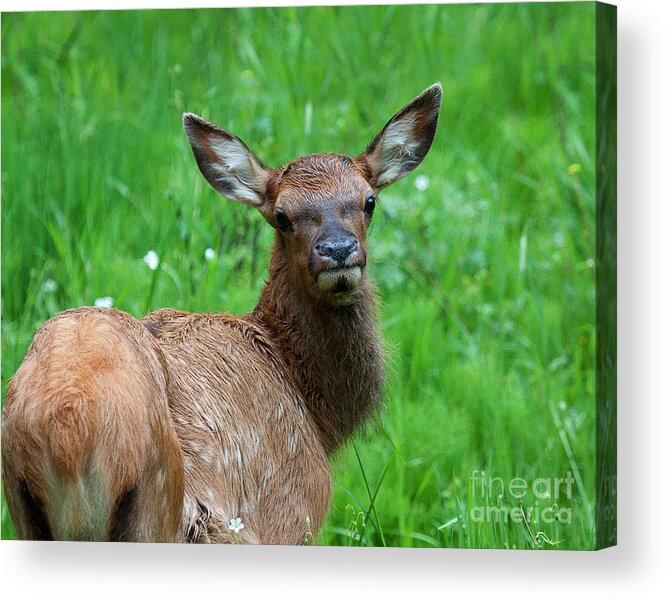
[168, 428]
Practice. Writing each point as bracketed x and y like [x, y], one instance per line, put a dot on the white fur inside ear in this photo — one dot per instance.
[238, 170]
[397, 146]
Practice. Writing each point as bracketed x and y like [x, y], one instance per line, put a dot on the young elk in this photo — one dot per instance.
[174, 427]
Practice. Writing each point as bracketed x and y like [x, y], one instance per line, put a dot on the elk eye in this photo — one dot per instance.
[370, 205]
[282, 221]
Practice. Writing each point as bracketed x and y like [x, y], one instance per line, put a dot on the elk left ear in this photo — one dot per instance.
[227, 163]
[405, 140]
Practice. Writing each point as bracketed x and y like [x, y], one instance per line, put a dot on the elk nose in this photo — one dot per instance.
[337, 250]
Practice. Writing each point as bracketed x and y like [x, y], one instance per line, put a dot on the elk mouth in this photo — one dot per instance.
[340, 280]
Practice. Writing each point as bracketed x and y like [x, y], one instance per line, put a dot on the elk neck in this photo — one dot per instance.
[333, 354]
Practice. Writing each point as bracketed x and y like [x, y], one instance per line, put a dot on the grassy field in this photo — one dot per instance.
[483, 257]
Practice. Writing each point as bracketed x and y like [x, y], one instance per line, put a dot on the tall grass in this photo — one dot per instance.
[484, 269]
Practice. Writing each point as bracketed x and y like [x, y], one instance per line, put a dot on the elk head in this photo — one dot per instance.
[321, 205]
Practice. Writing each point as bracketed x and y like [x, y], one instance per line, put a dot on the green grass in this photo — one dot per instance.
[487, 289]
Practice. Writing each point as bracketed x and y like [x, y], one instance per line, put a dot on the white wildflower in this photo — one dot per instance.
[236, 525]
[151, 259]
[590, 262]
[422, 183]
[209, 254]
[104, 302]
[49, 286]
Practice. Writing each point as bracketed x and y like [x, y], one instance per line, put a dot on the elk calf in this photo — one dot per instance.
[174, 427]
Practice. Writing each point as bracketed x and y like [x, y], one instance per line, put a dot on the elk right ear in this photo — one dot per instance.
[227, 163]
[405, 140]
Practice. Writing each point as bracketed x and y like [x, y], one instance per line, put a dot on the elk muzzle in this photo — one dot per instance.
[337, 261]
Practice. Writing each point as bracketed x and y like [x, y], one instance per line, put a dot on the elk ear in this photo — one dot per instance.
[227, 163]
[405, 140]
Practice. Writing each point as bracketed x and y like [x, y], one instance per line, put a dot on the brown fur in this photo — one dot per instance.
[88, 409]
[165, 429]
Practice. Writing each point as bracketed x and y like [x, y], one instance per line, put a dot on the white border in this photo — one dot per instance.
[635, 569]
